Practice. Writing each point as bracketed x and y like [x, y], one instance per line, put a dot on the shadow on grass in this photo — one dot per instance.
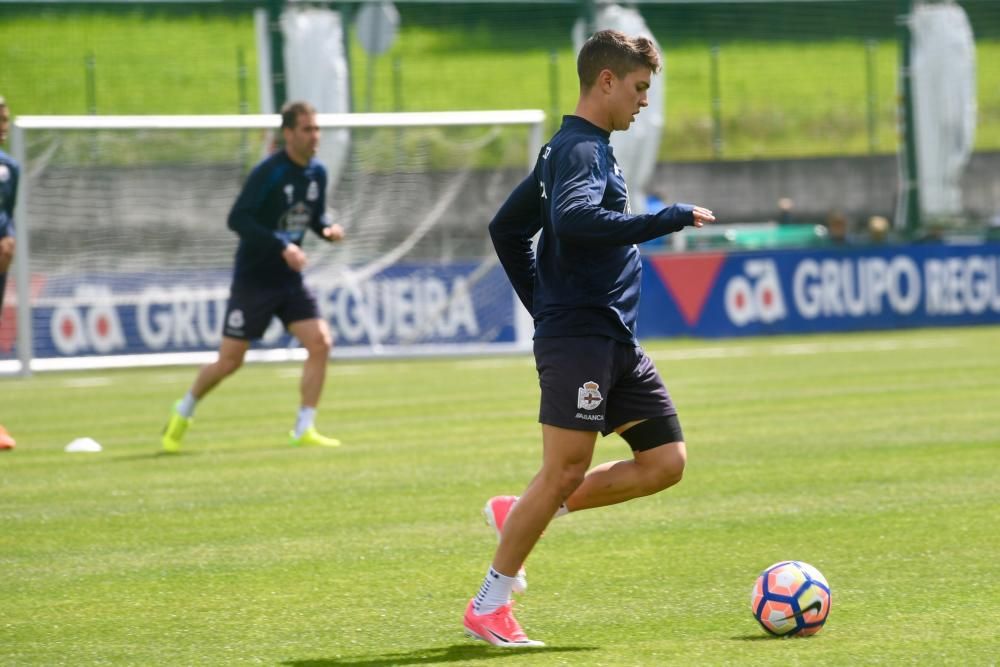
[151, 455]
[430, 656]
[772, 638]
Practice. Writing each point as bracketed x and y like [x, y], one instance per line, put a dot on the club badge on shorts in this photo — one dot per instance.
[235, 322]
[588, 397]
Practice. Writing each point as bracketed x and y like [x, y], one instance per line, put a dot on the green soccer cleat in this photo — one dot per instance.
[174, 431]
[312, 438]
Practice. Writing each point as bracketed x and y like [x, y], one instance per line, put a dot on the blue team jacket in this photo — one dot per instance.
[583, 279]
[279, 201]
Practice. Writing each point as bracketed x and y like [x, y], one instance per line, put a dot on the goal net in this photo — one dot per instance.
[124, 256]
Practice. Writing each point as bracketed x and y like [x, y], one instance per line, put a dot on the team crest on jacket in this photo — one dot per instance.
[588, 397]
[312, 193]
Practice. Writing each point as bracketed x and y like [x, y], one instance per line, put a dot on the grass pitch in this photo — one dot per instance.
[872, 456]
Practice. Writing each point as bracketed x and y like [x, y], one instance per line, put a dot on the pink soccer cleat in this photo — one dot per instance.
[6, 441]
[496, 511]
[498, 627]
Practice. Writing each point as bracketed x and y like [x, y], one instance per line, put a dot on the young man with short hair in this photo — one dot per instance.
[581, 285]
[284, 195]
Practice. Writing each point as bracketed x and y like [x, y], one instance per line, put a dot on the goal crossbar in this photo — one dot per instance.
[254, 121]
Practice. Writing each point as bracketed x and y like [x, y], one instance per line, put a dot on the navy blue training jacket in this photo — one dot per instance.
[9, 174]
[279, 201]
[584, 277]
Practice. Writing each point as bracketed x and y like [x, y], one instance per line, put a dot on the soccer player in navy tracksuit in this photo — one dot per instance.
[9, 173]
[581, 285]
[284, 196]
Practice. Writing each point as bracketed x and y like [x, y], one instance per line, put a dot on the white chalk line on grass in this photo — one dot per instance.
[332, 370]
[87, 382]
[797, 349]
[776, 349]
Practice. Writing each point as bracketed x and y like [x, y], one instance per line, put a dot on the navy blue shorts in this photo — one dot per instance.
[593, 383]
[250, 309]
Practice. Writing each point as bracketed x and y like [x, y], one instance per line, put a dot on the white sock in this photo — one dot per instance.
[185, 408]
[493, 594]
[304, 421]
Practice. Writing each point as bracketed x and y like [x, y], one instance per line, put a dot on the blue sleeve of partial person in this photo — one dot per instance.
[15, 179]
[243, 218]
[10, 203]
[511, 230]
[578, 217]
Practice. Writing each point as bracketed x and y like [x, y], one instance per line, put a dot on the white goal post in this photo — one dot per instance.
[124, 257]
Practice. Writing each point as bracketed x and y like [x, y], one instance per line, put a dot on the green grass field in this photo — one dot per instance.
[872, 456]
[777, 98]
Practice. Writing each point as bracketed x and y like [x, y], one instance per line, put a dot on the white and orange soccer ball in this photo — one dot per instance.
[791, 598]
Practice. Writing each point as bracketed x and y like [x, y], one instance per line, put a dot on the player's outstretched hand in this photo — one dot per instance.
[333, 233]
[294, 257]
[701, 216]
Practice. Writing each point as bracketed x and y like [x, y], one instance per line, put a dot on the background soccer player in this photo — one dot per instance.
[581, 286]
[8, 197]
[283, 196]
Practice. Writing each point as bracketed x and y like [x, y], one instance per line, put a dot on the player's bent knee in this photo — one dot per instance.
[671, 464]
[229, 362]
[662, 467]
[564, 480]
[322, 346]
[571, 480]
[318, 341]
[318, 350]
[659, 449]
[229, 365]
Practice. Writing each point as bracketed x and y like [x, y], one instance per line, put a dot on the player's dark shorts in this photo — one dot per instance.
[593, 383]
[250, 309]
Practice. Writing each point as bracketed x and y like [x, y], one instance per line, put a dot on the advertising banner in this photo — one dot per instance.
[706, 294]
[161, 312]
[809, 290]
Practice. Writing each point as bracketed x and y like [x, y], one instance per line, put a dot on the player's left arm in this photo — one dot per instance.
[579, 217]
[511, 231]
[321, 222]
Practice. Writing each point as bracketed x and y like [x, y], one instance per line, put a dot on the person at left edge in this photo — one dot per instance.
[9, 173]
[283, 196]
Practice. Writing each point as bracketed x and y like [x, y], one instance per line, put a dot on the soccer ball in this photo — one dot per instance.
[791, 598]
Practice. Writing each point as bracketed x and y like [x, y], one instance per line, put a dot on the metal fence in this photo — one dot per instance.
[744, 79]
